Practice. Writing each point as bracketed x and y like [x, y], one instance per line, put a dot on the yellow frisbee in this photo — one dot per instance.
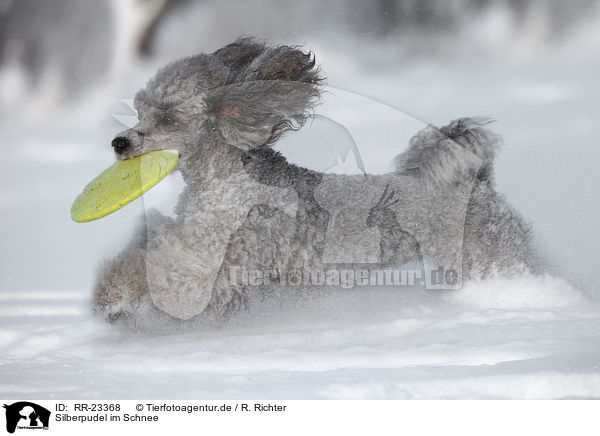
[121, 183]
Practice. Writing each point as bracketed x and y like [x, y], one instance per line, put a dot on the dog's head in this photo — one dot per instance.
[245, 94]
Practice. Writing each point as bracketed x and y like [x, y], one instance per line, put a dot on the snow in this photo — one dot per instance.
[358, 344]
[524, 337]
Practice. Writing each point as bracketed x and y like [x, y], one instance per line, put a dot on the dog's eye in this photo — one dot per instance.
[169, 120]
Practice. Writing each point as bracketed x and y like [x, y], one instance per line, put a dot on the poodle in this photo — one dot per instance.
[248, 223]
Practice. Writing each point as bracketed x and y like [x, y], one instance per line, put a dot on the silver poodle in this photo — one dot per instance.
[249, 224]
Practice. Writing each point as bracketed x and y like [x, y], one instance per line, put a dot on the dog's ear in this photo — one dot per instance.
[239, 54]
[271, 90]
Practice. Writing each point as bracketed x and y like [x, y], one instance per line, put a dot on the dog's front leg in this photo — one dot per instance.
[183, 263]
[122, 284]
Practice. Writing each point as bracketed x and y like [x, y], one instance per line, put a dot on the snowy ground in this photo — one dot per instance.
[492, 340]
[523, 338]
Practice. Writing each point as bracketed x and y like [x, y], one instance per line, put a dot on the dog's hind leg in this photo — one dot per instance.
[496, 239]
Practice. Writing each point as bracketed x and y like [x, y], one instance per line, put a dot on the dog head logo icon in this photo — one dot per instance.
[26, 415]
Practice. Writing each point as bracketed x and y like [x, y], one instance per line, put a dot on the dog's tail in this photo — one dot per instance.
[442, 156]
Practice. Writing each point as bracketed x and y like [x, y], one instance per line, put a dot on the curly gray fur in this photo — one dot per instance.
[245, 206]
[441, 156]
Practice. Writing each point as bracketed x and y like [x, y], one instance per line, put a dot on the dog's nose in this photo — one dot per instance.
[120, 144]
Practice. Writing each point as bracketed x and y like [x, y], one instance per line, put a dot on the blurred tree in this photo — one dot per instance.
[69, 38]
[149, 31]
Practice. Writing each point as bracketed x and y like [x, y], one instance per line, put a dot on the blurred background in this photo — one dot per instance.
[392, 66]
[531, 65]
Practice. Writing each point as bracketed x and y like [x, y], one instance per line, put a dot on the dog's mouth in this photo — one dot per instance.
[172, 150]
[132, 155]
